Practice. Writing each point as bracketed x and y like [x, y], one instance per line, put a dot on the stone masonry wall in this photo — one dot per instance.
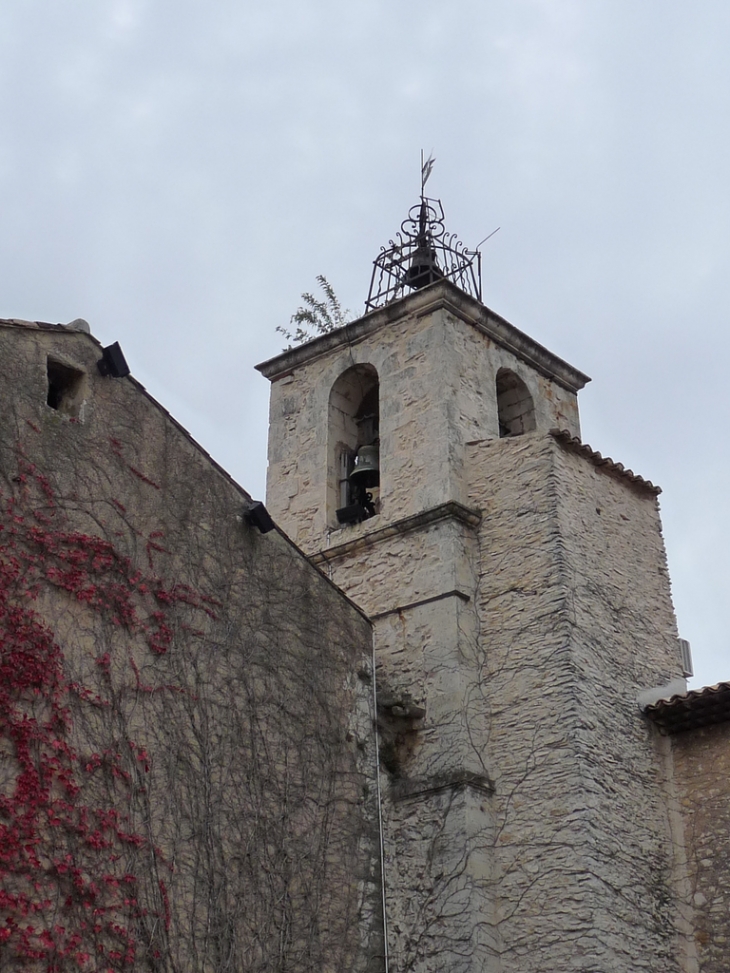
[187, 763]
[702, 779]
[418, 583]
[523, 675]
[521, 602]
[437, 392]
[624, 640]
[575, 618]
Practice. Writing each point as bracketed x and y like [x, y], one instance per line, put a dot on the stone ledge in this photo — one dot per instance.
[445, 511]
[411, 789]
[454, 593]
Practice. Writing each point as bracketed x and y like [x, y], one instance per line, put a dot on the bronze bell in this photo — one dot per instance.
[424, 269]
[366, 473]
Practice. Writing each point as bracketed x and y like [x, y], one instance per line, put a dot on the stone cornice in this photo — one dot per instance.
[411, 605]
[445, 511]
[442, 294]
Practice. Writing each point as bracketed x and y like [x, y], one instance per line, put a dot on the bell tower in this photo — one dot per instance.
[427, 457]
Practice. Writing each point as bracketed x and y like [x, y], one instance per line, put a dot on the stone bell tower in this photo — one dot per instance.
[518, 589]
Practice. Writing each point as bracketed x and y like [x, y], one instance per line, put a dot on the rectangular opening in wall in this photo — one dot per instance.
[65, 388]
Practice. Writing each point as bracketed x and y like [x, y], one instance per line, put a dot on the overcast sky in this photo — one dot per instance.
[177, 173]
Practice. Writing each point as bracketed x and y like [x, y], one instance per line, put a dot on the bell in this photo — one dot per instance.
[366, 473]
[424, 269]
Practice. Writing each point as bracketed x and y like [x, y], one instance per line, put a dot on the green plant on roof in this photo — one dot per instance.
[316, 316]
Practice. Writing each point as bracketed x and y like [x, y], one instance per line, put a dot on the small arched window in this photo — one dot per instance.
[515, 408]
[353, 446]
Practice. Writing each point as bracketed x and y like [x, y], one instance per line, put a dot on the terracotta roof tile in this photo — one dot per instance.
[604, 463]
[688, 711]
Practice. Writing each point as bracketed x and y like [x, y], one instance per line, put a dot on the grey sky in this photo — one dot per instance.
[179, 172]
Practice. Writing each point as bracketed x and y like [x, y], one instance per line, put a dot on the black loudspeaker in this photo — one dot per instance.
[258, 516]
[113, 362]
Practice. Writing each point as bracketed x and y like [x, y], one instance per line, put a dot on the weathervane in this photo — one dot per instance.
[422, 253]
[426, 168]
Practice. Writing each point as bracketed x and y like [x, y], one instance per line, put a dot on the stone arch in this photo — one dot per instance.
[353, 422]
[515, 407]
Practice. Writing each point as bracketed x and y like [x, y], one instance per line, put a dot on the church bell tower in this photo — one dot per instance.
[427, 457]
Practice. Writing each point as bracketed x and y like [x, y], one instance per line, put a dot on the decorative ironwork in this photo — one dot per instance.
[423, 252]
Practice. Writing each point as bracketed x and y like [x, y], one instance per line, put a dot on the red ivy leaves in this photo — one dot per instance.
[52, 845]
[64, 903]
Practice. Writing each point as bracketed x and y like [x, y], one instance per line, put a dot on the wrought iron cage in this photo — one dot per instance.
[423, 252]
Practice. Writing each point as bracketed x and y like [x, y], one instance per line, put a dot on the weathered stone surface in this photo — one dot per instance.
[215, 691]
[526, 828]
[575, 613]
[437, 374]
[699, 762]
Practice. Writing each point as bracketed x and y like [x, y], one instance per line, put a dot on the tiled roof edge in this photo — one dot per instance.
[604, 463]
[685, 711]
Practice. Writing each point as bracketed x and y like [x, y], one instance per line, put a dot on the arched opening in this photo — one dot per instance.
[353, 492]
[515, 408]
